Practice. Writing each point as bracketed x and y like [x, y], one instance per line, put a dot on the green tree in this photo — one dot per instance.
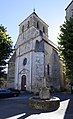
[65, 41]
[5, 48]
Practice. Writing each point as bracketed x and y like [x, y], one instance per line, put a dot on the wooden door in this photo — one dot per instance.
[23, 83]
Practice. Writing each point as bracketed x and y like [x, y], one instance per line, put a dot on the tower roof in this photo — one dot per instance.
[33, 13]
[69, 5]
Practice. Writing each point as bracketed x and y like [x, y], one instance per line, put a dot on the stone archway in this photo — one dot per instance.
[23, 82]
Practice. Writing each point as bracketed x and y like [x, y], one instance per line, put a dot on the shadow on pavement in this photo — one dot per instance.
[64, 96]
[30, 111]
[21, 106]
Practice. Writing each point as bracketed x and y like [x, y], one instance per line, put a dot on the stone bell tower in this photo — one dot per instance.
[29, 63]
[69, 10]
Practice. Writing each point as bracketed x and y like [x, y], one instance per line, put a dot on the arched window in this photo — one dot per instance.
[38, 25]
[28, 24]
[48, 69]
[22, 28]
[43, 29]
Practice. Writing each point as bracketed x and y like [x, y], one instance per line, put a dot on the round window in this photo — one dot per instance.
[24, 61]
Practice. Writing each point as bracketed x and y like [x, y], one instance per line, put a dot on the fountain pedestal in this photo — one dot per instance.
[45, 104]
[44, 101]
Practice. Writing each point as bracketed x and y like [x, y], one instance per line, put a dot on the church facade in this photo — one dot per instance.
[36, 58]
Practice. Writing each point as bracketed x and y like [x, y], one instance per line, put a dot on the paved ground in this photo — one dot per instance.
[65, 111]
[18, 108]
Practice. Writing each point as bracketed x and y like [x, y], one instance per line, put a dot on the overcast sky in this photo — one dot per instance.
[13, 12]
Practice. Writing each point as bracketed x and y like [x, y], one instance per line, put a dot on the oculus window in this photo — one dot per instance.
[25, 61]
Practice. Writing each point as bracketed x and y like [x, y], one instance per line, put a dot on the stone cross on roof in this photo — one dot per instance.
[34, 10]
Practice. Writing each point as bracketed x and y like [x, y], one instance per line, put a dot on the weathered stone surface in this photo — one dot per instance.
[69, 10]
[39, 54]
[37, 103]
[44, 93]
[39, 46]
[11, 71]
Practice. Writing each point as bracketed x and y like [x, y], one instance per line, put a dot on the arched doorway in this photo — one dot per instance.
[23, 82]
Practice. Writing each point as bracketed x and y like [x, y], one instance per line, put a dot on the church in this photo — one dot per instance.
[35, 58]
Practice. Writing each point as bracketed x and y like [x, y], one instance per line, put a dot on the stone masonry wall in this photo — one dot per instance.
[11, 71]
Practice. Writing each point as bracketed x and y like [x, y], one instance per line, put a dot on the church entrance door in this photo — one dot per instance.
[23, 82]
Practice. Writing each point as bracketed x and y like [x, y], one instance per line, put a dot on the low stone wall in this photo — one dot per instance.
[37, 103]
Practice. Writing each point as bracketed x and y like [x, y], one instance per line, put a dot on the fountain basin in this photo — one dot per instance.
[45, 104]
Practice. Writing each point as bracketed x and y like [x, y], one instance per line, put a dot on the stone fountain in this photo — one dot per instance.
[44, 100]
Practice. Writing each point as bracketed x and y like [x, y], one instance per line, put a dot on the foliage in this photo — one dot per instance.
[5, 48]
[66, 46]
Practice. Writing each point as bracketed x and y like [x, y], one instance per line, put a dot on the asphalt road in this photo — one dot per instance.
[18, 108]
[10, 107]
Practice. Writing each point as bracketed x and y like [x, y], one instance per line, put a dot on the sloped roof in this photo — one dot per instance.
[69, 5]
[34, 13]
